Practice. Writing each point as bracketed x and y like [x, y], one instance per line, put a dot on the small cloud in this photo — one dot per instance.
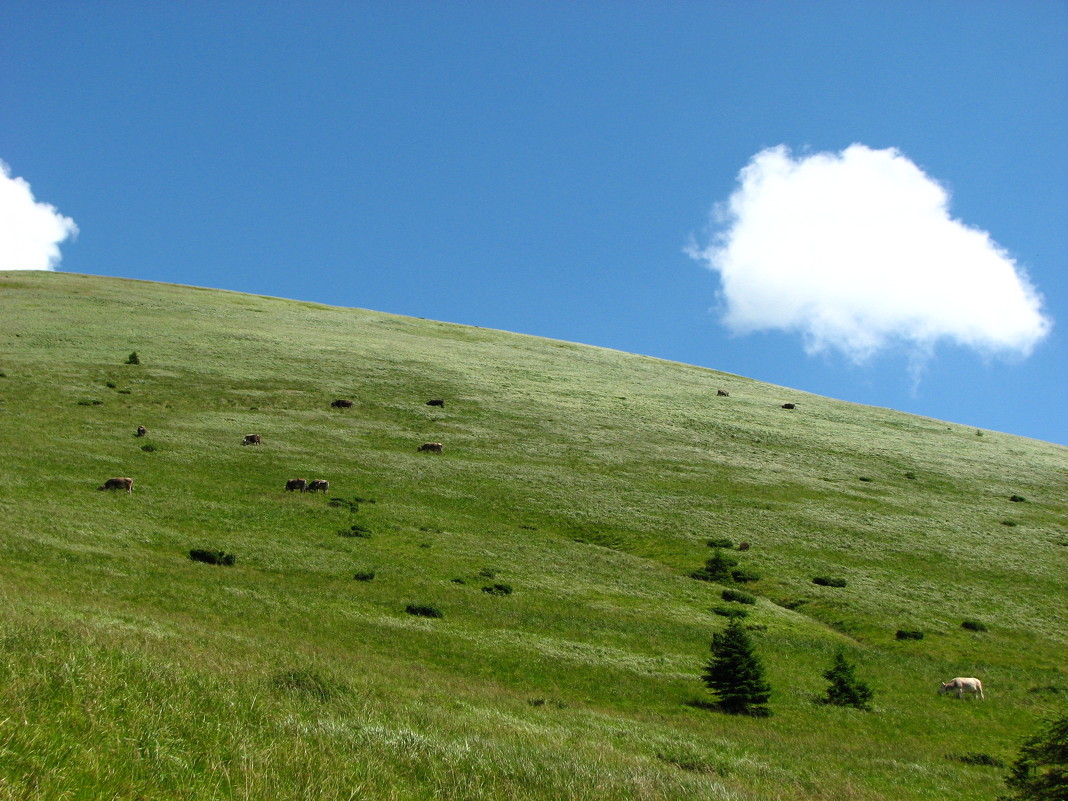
[30, 232]
[857, 252]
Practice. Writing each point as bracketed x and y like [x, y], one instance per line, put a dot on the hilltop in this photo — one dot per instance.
[586, 481]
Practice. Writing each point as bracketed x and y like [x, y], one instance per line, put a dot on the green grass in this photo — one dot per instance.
[587, 480]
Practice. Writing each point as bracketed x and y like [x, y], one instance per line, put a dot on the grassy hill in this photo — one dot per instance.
[587, 480]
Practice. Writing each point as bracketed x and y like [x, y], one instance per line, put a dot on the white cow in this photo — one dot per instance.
[961, 685]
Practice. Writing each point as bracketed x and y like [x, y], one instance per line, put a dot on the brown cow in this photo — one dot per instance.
[141, 431]
[319, 485]
[342, 404]
[118, 483]
[297, 484]
[431, 447]
[251, 439]
[436, 402]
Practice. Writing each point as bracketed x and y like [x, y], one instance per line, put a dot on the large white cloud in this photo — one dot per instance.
[857, 251]
[30, 232]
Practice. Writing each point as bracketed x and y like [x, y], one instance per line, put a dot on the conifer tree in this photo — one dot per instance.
[845, 689]
[735, 675]
[1041, 771]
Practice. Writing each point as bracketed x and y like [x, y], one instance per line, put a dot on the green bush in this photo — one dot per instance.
[211, 557]
[738, 597]
[133, 358]
[365, 575]
[974, 625]
[730, 611]
[908, 634]
[421, 610]
[744, 575]
[498, 589]
[717, 568]
[355, 531]
[720, 542]
[1017, 499]
[825, 581]
[845, 689]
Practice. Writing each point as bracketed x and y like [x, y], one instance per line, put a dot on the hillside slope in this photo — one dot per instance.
[586, 480]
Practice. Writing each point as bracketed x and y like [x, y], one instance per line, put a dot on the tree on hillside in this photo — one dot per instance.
[717, 568]
[735, 675]
[1041, 771]
[845, 689]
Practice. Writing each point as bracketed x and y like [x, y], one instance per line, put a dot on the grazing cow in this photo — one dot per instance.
[436, 402]
[722, 393]
[251, 439]
[342, 404]
[297, 484]
[141, 431]
[960, 686]
[319, 485]
[431, 447]
[788, 406]
[118, 483]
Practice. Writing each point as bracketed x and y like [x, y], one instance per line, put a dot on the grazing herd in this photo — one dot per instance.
[293, 484]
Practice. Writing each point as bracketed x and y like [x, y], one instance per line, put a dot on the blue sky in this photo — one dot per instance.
[552, 168]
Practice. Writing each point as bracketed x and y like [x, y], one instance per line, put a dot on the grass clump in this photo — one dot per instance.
[974, 625]
[355, 531]
[731, 612]
[908, 634]
[738, 596]
[133, 358]
[307, 683]
[498, 589]
[364, 575]
[720, 542]
[979, 758]
[745, 575]
[827, 581]
[212, 557]
[423, 610]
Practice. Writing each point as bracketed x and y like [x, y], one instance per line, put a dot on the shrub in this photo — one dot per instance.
[133, 358]
[845, 689]
[355, 531]
[421, 610]
[735, 675]
[738, 596]
[743, 546]
[720, 542]
[906, 634]
[825, 581]
[1009, 523]
[717, 568]
[488, 572]
[342, 503]
[974, 625]
[498, 589]
[111, 385]
[148, 448]
[730, 611]
[211, 557]
[1017, 499]
[1040, 773]
[910, 476]
[865, 478]
[744, 575]
[365, 575]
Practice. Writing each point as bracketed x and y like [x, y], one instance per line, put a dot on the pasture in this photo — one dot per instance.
[586, 481]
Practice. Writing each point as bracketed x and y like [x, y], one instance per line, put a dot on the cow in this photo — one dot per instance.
[319, 485]
[788, 406]
[118, 483]
[297, 484]
[251, 439]
[436, 402]
[342, 404]
[961, 685]
[431, 447]
[141, 431]
[722, 393]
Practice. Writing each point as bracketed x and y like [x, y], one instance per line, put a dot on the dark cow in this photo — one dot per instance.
[118, 483]
[251, 439]
[788, 406]
[342, 404]
[141, 431]
[722, 393]
[297, 484]
[432, 447]
[436, 402]
[319, 485]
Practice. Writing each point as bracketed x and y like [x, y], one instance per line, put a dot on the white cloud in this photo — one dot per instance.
[857, 251]
[30, 232]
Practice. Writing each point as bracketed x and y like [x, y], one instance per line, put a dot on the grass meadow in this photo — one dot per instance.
[587, 481]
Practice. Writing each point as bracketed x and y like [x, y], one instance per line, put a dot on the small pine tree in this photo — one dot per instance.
[845, 689]
[735, 675]
[718, 567]
[1041, 771]
[133, 358]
